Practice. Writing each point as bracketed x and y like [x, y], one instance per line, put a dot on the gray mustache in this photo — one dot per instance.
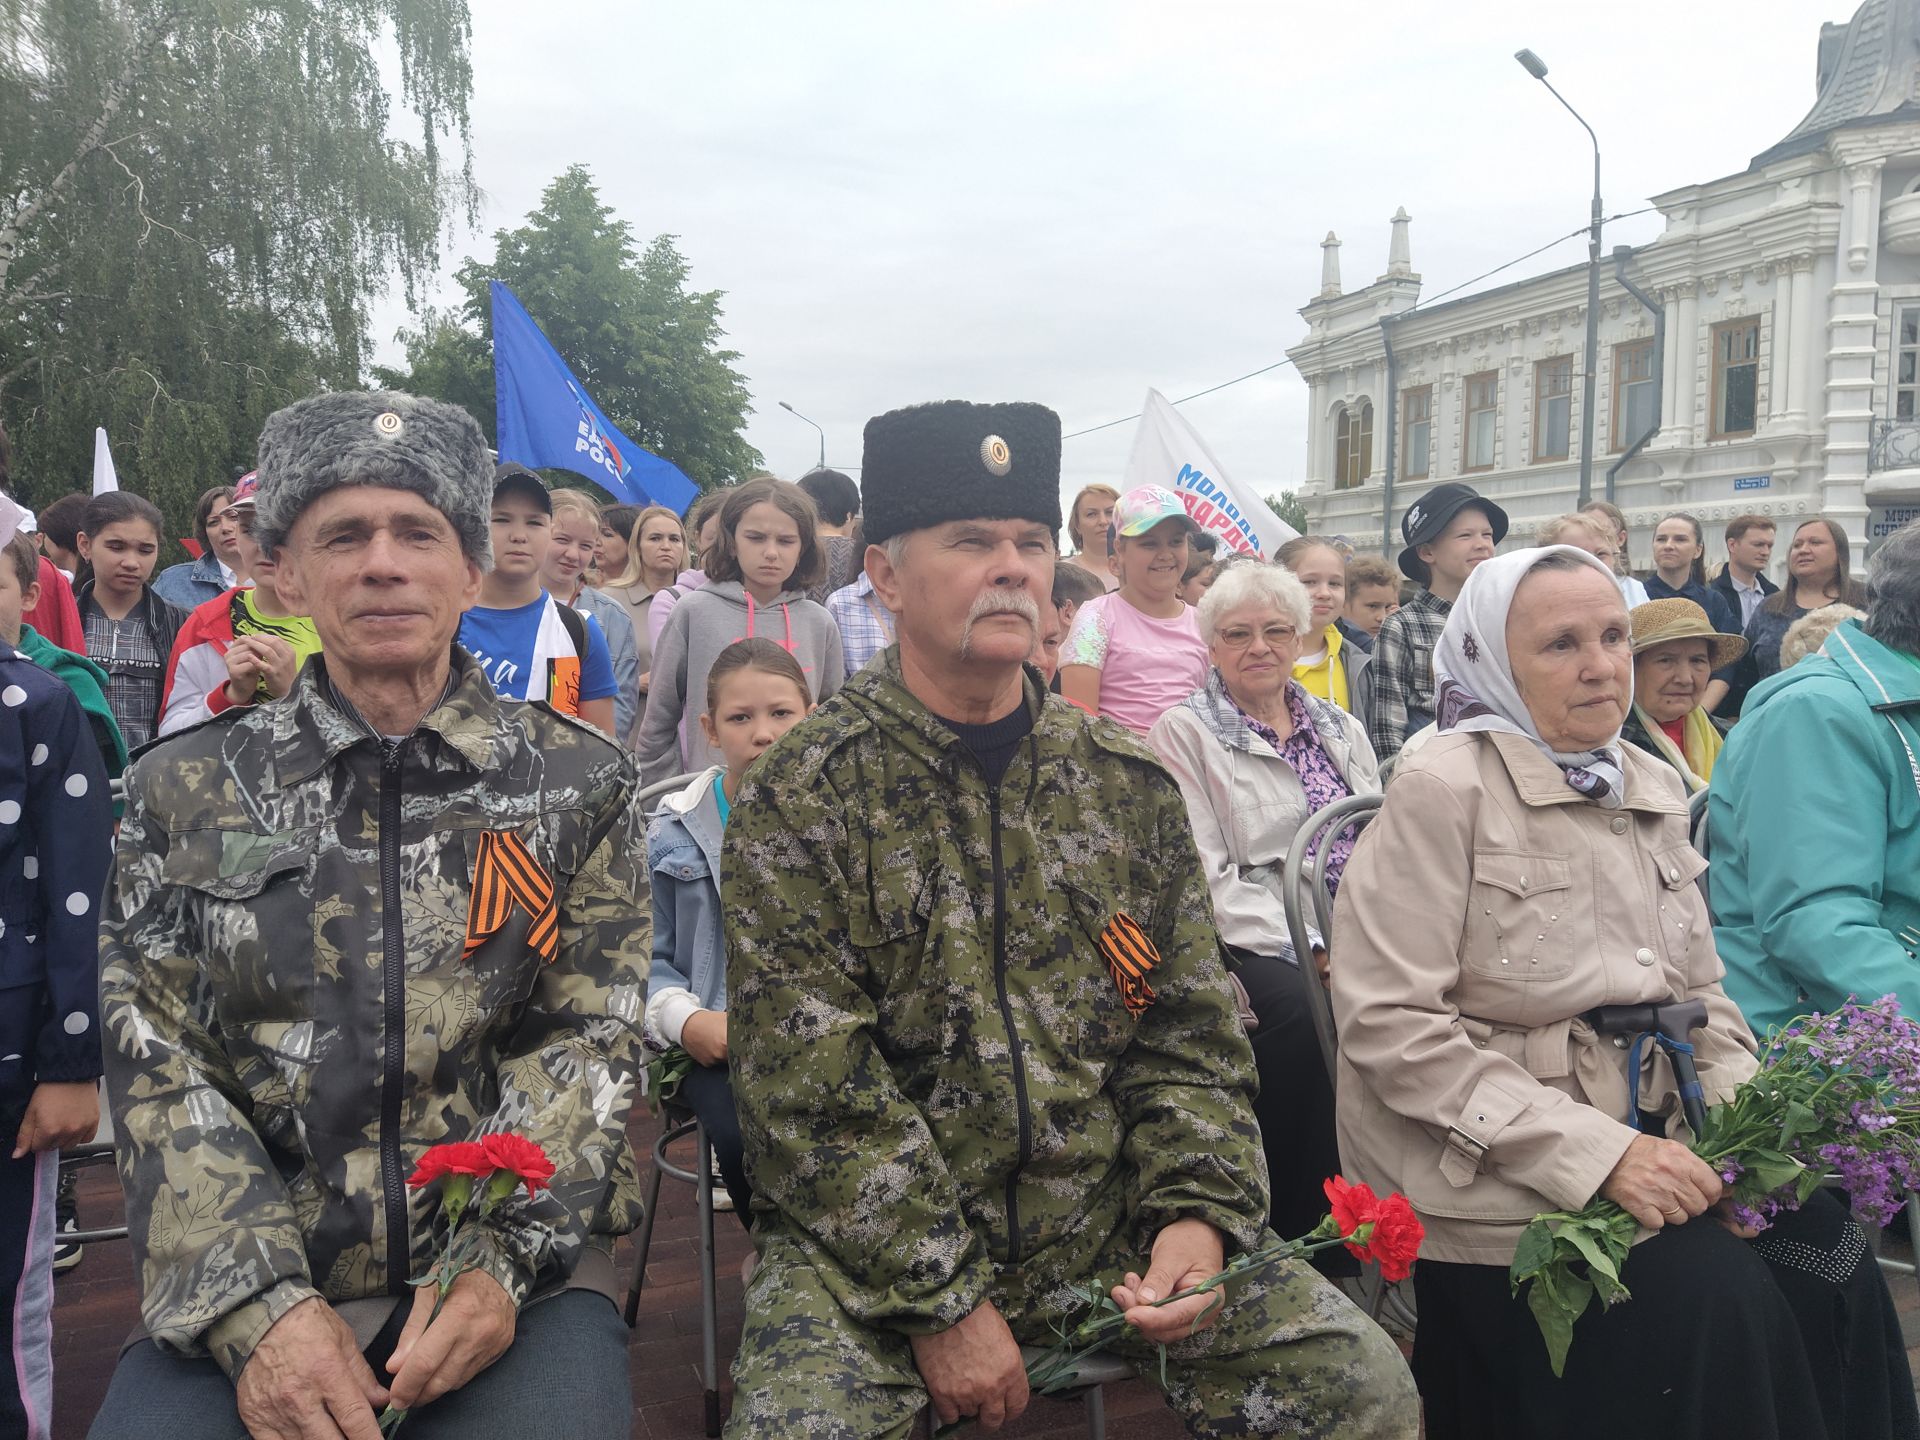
[1005, 602]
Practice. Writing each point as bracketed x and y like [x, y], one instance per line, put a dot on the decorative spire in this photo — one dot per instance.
[1399, 249]
[1330, 266]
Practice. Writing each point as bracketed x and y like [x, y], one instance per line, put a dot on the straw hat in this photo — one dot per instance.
[1658, 621]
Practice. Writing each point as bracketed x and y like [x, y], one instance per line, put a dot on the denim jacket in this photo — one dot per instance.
[689, 945]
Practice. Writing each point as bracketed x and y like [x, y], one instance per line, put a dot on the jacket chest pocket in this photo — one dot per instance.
[511, 922]
[251, 919]
[924, 984]
[1519, 920]
[1677, 903]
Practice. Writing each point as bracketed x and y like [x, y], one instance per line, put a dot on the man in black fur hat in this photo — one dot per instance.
[984, 1051]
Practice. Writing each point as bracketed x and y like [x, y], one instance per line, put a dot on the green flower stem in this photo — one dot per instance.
[462, 1253]
[1055, 1369]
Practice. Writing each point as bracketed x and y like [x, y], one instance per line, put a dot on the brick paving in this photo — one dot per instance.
[97, 1307]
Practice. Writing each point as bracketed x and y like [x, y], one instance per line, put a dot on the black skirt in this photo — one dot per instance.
[1792, 1336]
[1295, 1103]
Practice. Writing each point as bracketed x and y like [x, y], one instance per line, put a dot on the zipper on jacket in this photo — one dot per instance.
[1022, 1153]
[393, 1064]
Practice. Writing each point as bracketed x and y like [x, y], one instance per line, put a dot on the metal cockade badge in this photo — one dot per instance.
[387, 423]
[995, 455]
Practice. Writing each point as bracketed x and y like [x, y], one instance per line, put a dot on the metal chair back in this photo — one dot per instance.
[660, 789]
[76, 1158]
[1309, 904]
[1307, 900]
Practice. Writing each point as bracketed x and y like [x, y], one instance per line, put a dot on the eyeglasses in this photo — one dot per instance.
[1239, 637]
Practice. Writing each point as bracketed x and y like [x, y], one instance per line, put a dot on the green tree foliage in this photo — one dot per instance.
[1290, 508]
[646, 347]
[198, 201]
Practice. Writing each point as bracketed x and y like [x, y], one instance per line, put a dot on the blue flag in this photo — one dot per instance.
[547, 421]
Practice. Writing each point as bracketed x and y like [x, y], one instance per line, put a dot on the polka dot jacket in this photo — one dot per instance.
[56, 839]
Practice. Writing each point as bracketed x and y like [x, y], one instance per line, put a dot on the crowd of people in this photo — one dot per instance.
[961, 889]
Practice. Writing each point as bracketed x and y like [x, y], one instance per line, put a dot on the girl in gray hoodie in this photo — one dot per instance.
[757, 576]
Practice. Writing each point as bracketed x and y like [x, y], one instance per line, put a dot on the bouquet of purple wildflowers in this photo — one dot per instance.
[1836, 1096]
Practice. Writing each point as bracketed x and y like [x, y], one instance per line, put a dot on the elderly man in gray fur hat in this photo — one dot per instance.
[389, 911]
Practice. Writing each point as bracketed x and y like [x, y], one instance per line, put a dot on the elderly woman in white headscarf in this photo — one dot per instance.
[1526, 873]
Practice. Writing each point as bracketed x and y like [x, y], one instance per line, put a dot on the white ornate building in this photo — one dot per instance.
[1783, 366]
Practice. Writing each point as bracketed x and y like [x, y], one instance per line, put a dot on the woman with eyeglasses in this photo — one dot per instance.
[1255, 754]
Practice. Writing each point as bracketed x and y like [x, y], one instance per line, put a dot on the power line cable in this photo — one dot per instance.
[1464, 284]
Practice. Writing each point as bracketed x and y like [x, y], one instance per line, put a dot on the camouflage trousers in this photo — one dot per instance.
[1290, 1355]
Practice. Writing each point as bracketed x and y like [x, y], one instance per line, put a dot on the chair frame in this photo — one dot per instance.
[1304, 883]
[1354, 810]
[659, 789]
[681, 1123]
[79, 1157]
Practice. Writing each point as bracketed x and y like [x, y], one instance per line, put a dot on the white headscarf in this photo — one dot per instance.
[1474, 689]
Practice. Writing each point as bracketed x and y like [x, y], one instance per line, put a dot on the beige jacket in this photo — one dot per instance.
[1486, 908]
[1246, 804]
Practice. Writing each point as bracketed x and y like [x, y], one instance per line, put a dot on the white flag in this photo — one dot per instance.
[1167, 451]
[104, 478]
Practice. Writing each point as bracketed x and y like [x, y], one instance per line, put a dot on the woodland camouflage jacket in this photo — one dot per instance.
[944, 1091]
[290, 1022]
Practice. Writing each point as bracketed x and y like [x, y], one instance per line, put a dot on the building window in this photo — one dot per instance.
[1482, 420]
[1352, 445]
[1906, 365]
[1418, 405]
[1633, 392]
[1736, 377]
[1552, 409]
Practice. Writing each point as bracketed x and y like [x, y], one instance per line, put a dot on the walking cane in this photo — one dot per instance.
[1671, 1025]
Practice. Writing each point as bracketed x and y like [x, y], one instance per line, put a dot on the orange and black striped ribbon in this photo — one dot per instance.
[1129, 955]
[505, 874]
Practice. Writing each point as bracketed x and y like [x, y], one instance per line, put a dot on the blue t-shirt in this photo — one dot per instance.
[503, 642]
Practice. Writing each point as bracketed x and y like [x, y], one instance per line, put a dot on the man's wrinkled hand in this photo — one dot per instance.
[1185, 1253]
[306, 1380]
[973, 1370]
[473, 1329]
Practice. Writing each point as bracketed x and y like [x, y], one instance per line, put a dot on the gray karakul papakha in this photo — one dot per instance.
[376, 437]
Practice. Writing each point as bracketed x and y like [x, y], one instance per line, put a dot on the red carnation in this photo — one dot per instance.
[1397, 1233]
[519, 1156]
[460, 1157]
[1352, 1207]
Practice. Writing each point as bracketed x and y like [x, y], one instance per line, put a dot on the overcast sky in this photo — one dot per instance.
[1069, 202]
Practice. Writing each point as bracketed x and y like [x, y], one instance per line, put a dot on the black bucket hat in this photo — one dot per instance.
[1427, 519]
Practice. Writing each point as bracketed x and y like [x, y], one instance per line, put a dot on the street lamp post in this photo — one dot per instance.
[1537, 68]
[823, 434]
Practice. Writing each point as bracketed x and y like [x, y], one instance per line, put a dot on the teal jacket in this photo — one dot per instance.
[1814, 824]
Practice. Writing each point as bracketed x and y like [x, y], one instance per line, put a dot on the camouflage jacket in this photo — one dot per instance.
[289, 1022]
[944, 1094]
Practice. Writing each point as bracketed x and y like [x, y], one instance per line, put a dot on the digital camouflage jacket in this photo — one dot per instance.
[290, 1022]
[944, 1093]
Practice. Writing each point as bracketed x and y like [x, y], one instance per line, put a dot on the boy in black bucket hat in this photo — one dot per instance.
[1448, 531]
